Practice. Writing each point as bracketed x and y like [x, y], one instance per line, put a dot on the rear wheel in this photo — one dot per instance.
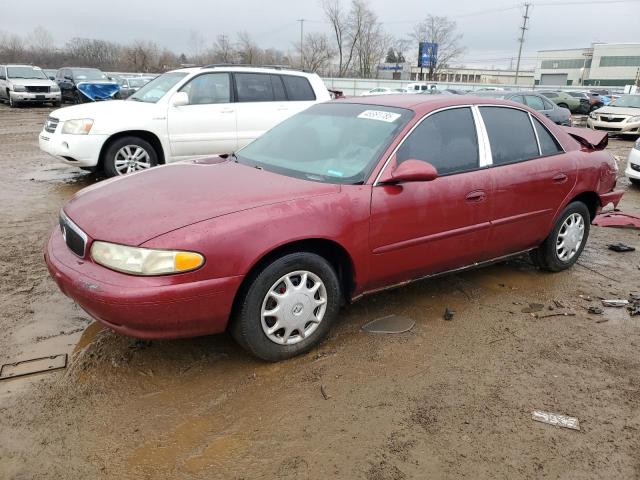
[562, 248]
[288, 308]
[128, 155]
[563, 105]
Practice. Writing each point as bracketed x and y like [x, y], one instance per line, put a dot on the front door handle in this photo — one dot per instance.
[227, 110]
[476, 196]
[560, 178]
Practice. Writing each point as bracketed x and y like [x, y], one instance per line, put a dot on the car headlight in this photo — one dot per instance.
[593, 116]
[633, 119]
[54, 88]
[19, 88]
[81, 126]
[144, 261]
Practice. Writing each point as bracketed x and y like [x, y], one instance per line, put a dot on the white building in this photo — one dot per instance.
[607, 64]
[477, 75]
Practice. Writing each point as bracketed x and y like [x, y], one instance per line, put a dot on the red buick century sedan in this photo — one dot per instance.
[344, 199]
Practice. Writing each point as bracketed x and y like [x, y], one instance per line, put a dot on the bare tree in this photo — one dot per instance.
[247, 50]
[141, 56]
[12, 48]
[196, 45]
[442, 31]
[317, 52]
[223, 50]
[89, 52]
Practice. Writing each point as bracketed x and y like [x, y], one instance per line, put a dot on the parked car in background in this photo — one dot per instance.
[603, 96]
[130, 85]
[80, 85]
[622, 116]
[50, 73]
[420, 87]
[566, 100]
[633, 164]
[382, 91]
[347, 198]
[21, 84]
[558, 115]
[180, 114]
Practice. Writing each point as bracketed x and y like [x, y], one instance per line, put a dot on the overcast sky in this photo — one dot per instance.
[490, 38]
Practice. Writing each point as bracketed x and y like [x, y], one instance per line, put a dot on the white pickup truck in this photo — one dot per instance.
[181, 114]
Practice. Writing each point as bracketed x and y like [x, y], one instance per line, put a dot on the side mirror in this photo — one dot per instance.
[52, 78]
[180, 99]
[411, 171]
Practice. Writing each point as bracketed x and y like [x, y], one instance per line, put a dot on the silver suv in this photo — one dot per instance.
[27, 84]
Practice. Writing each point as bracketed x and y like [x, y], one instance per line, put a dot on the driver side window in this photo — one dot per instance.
[447, 140]
[208, 89]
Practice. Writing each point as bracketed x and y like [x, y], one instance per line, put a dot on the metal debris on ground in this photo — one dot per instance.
[448, 314]
[33, 366]
[389, 324]
[620, 247]
[615, 303]
[595, 310]
[556, 419]
[585, 297]
[533, 307]
[558, 314]
[617, 219]
[602, 320]
[324, 393]
[558, 304]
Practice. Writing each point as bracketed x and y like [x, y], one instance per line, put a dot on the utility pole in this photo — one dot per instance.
[525, 19]
[301, 20]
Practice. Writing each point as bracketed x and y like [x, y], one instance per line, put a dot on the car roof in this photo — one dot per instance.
[425, 103]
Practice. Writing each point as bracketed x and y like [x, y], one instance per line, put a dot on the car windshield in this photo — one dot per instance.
[330, 143]
[88, 74]
[137, 82]
[157, 88]
[627, 101]
[26, 72]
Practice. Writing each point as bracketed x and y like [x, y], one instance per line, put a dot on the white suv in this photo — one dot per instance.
[181, 114]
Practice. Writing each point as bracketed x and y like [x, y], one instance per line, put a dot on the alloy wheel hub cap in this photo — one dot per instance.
[570, 237]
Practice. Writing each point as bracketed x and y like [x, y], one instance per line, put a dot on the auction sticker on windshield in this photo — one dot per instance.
[380, 115]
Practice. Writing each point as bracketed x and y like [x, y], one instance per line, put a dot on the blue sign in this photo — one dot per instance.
[427, 54]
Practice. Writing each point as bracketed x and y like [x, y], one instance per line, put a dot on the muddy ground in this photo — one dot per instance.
[450, 399]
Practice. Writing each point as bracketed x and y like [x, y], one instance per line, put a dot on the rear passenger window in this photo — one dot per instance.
[510, 135]
[447, 140]
[298, 88]
[535, 102]
[548, 143]
[254, 87]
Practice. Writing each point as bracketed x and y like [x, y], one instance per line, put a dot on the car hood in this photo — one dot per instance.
[618, 111]
[95, 109]
[136, 208]
[32, 82]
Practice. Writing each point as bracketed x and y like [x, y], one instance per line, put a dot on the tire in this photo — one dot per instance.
[635, 181]
[250, 328]
[57, 104]
[548, 256]
[127, 149]
[564, 105]
[12, 104]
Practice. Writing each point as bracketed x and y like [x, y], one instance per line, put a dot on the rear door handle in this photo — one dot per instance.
[476, 196]
[560, 178]
[227, 110]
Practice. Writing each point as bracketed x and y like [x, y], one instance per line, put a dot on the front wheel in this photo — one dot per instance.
[562, 248]
[635, 181]
[12, 104]
[288, 308]
[129, 155]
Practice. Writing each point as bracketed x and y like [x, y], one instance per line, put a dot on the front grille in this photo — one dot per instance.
[608, 129]
[38, 89]
[75, 238]
[605, 118]
[51, 124]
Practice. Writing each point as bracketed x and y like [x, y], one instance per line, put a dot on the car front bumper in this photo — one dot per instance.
[633, 164]
[78, 150]
[622, 128]
[30, 97]
[142, 307]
